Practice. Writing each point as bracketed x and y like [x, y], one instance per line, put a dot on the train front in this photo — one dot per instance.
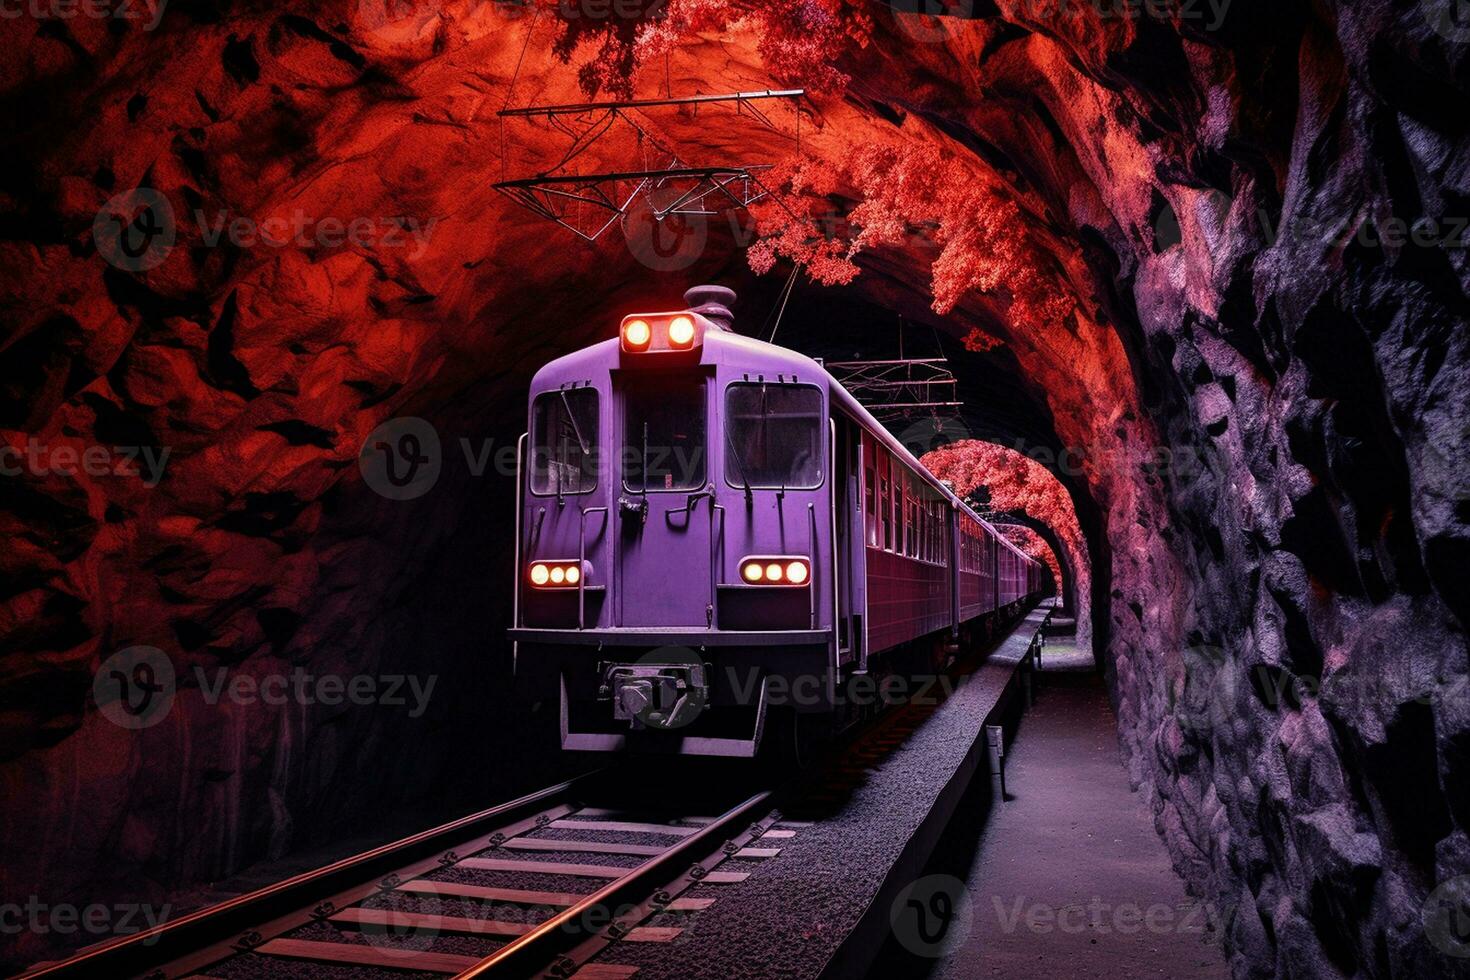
[675, 536]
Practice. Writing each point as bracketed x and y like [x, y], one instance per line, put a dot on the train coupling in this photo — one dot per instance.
[655, 695]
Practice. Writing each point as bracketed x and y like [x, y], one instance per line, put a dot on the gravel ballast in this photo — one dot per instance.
[822, 903]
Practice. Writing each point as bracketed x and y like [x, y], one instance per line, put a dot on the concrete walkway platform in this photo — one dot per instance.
[1069, 878]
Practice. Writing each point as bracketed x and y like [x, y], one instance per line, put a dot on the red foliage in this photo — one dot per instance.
[918, 195]
[1017, 484]
[798, 39]
[979, 341]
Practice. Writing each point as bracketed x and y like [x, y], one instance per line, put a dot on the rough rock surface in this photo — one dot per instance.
[1266, 392]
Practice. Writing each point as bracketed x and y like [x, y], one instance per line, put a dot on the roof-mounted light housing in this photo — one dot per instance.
[663, 333]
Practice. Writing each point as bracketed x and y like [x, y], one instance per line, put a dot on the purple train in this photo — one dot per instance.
[712, 533]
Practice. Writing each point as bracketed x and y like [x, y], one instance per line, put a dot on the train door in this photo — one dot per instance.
[665, 575]
[848, 549]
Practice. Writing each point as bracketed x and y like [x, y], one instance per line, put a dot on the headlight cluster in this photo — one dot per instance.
[774, 570]
[555, 574]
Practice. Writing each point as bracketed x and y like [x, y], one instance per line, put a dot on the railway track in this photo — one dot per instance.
[544, 885]
[540, 886]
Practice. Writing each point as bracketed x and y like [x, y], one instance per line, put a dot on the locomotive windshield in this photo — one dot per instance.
[774, 437]
[564, 442]
[663, 435]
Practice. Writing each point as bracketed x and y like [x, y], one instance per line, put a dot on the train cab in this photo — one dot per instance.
[674, 514]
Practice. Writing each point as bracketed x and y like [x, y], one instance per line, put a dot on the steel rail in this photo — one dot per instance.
[535, 951]
[148, 950]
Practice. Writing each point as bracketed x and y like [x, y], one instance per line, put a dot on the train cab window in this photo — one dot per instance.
[773, 436]
[664, 435]
[564, 447]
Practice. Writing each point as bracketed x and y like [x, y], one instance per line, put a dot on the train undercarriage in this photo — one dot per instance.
[736, 700]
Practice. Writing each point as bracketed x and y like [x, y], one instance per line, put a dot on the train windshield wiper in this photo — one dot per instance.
[739, 458]
[572, 418]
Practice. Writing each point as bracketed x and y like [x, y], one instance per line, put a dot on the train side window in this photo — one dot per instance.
[870, 516]
[900, 515]
[564, 446]
[939, 524]
[900, 481]
[885, 513]
[664, 435]
[933, 531]
[921, 527]
[887, 508]
[924, 529]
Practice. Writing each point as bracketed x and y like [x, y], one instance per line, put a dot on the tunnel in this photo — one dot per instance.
[1196, 271]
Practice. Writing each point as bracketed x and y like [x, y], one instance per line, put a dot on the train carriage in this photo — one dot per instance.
[711, 529]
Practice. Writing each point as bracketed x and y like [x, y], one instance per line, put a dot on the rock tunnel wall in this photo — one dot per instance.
[1264, 391]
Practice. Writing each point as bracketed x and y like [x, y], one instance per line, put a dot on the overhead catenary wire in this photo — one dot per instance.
[781, 309]
[515, 76]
